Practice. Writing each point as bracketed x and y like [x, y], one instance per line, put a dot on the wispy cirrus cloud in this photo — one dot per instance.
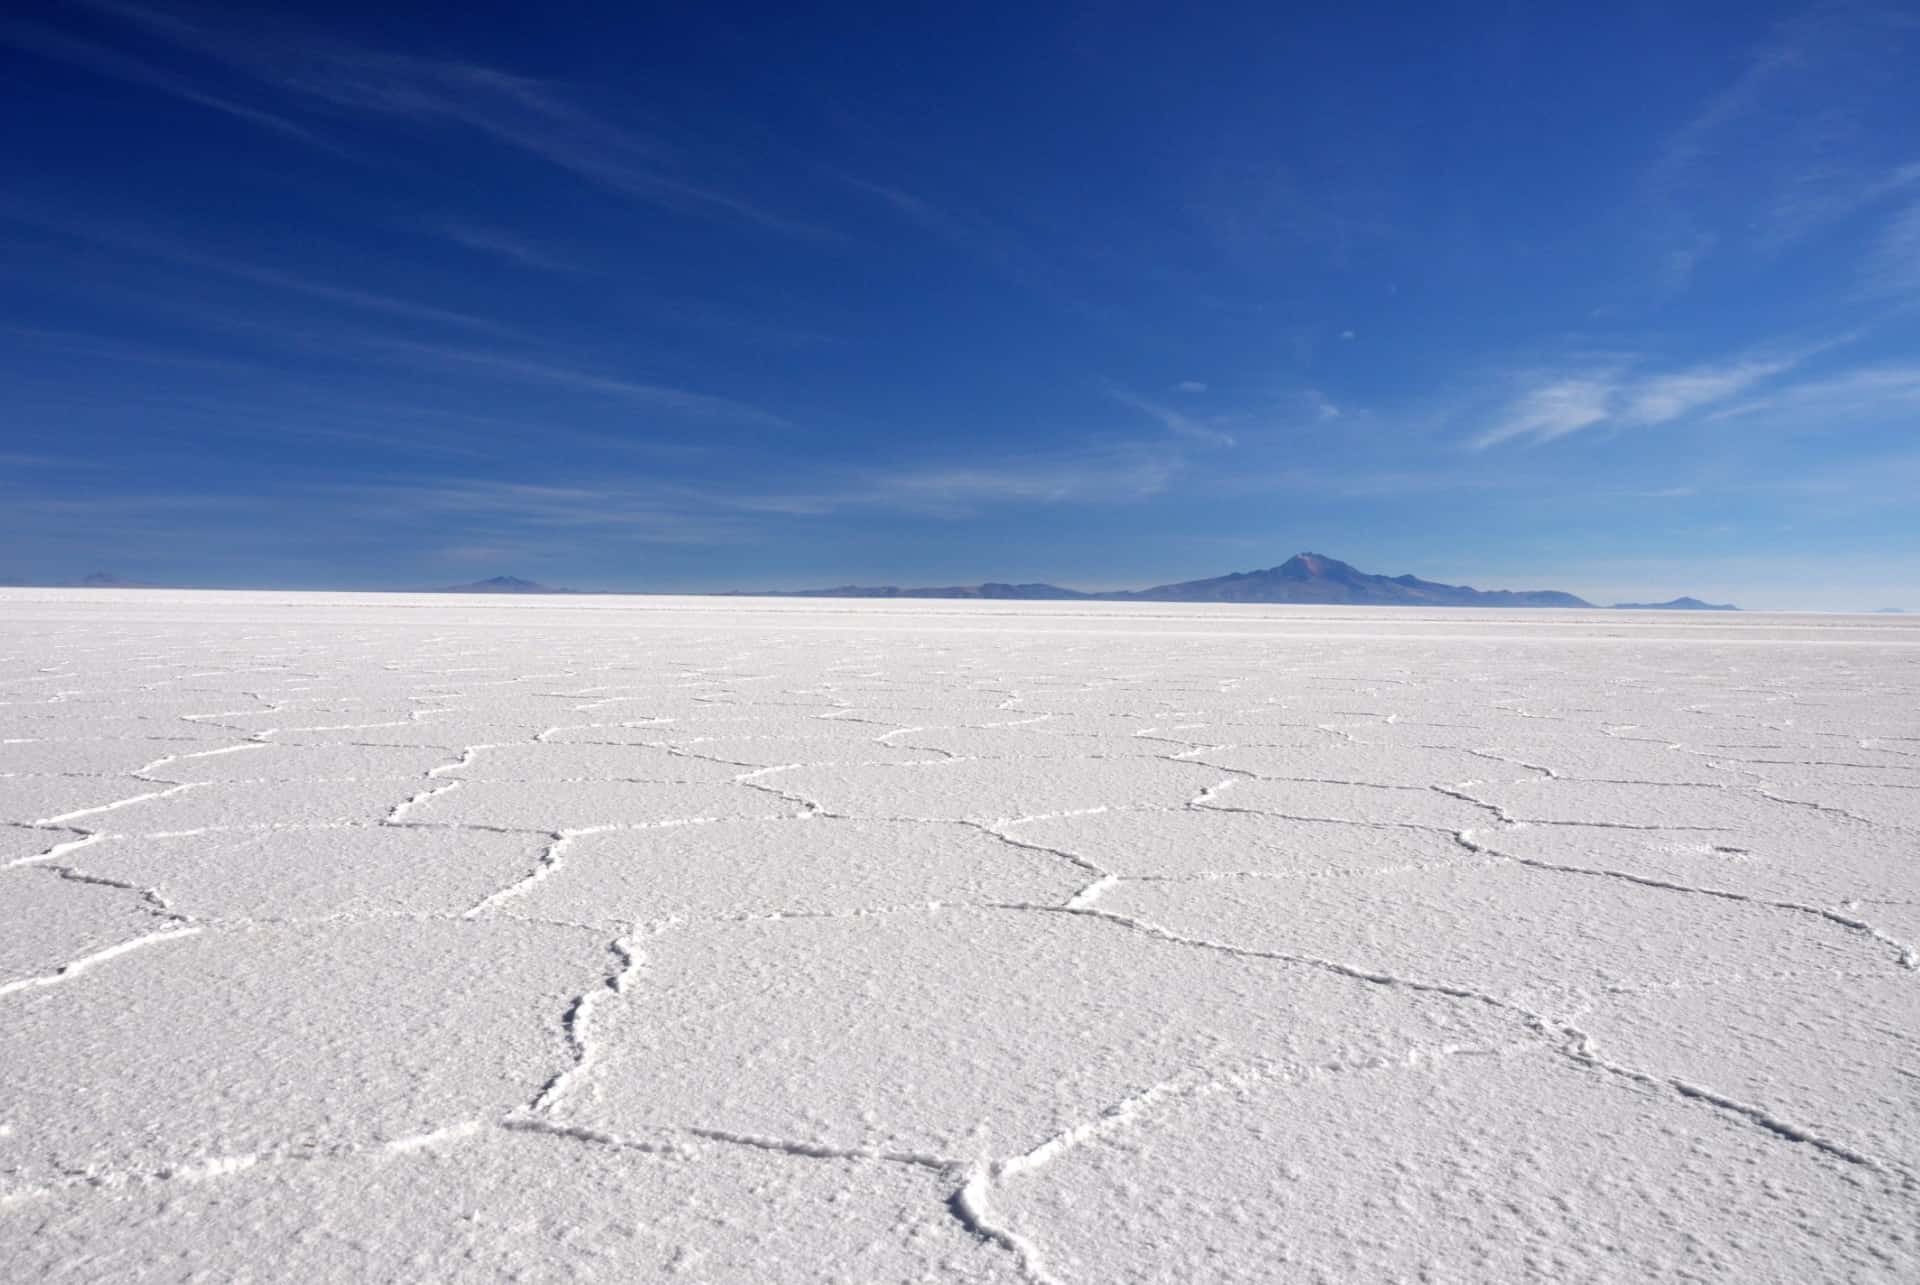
[1615, 395]
[1824, 194]
[1102, 475]
[505, 245]
[992, 243]
[970, 234]
[148, 244]
[1554, 409]
[512, 366]
[1808, 138]
[1692, 143]
[1894, 266]
[677, 513]
[36, 460]
[649, 514]
[498, 364]
[1324, 407]
[1176, 422]
[1659, 398]
[1864, 396]
[335, 79]
[95, 348]
[46, 42]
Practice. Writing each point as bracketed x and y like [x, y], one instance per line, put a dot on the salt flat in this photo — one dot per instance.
[457, 939]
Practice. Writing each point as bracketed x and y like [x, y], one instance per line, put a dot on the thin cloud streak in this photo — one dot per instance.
[1894, 267]
[991, 244]
[36, 38]
[515, 111]
[1176, 422]
[429, 357]
[1103, 477]
[144, 244]
[1554, 410]
[1668, 397]
[1613, 397]
[485, 240]
[656, 396]
[677, 514]
[1866, 394]
[649, 515]
[1800, 141]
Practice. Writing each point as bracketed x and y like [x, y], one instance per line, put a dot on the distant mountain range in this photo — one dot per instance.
[1303, 578]
[92, 580]
[989, 590]
[1310, 578]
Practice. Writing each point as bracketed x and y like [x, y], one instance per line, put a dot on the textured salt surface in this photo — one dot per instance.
[390, 938]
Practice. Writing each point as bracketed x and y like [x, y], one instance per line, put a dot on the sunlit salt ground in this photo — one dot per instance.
[431, 939]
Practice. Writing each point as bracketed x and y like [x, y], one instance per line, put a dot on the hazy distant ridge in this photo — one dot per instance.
[1677, 604]
[1303, 578]
[1312, 578]
[501, 584]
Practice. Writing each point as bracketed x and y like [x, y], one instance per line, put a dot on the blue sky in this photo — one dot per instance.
[1620, 302]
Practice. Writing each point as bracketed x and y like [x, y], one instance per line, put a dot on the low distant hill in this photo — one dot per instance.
[500, 584]
[1303, 578]
[92, 580]
[1030, 592]
[1677, 604]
